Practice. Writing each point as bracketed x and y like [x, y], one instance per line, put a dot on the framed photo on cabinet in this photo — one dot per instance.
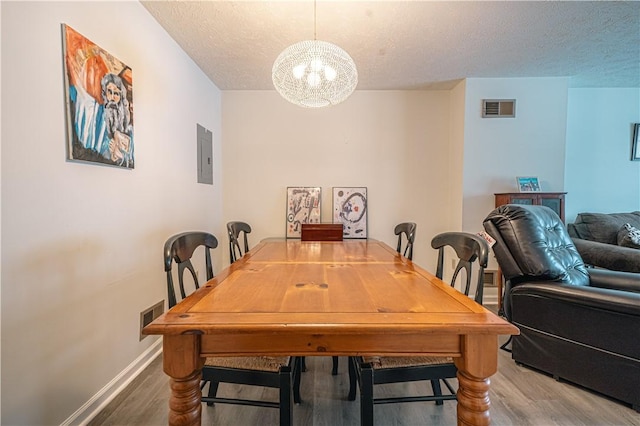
[528, 184]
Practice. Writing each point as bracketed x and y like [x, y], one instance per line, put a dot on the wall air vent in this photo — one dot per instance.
[148, 315]
[498, 108]
[490, 278]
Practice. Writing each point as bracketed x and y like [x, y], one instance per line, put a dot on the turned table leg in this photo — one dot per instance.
[184, 404]
[473, 400]
[479, 361]
[183, 364]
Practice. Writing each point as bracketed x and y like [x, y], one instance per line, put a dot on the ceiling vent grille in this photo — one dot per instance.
[498, 108]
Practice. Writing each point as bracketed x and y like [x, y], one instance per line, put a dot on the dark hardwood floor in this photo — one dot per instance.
[519, 396]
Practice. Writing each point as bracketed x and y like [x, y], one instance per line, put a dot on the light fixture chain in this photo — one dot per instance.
[315, 19]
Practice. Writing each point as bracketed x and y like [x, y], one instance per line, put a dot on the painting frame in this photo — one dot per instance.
[98, 90]
[635, 150]
[350, 207]
[304, 205]
[528, 184]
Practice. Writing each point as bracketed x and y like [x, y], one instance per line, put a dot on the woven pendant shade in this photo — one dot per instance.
[314, 74]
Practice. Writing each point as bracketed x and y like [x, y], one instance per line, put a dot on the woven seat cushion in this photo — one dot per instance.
[258, 363]
[381, 362]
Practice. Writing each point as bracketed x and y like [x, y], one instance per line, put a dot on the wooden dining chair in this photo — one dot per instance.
[234, 229]
[368, 371]
[409, 231]
[282, 373]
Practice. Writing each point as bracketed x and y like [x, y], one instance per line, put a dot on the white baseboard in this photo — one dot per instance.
[93, 406]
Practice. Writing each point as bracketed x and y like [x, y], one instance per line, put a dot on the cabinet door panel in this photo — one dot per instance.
[526, 201]
[553, 200]
[552, 203]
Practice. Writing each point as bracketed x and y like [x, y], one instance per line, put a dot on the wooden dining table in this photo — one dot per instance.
[352, 297]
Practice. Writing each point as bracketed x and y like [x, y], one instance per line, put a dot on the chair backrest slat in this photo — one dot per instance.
[469, 248]
[409, 230]
[179, 249]
[234, 229]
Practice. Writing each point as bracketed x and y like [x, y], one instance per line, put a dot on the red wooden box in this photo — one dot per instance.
[321, 232]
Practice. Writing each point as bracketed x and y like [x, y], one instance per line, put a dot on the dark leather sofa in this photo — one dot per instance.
[595, 235]
[577, 324]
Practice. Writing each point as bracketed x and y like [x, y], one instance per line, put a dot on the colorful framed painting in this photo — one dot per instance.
[99, 101]
[303, 206]
[350, 209]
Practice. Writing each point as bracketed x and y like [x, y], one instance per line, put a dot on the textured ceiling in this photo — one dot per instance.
[413, 44]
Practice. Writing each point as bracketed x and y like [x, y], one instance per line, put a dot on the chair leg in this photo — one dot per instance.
[334, 369]
[353, 380]
[366, 395]
[303, 365]
[213, 390]
[437, 391]
[297, 365]
[286, 402]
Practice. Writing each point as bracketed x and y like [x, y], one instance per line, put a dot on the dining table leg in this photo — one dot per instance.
[479, 361]
[182, 363]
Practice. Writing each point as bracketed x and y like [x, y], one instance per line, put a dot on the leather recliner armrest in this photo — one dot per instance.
[615, 280]
[602, 298]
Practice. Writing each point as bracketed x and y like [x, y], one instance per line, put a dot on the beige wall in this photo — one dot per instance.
[394, 143]
[456, 158]
[82, 244]
[425, 156]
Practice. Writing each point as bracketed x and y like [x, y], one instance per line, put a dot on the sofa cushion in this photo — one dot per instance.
[629, 236]
[604, 227]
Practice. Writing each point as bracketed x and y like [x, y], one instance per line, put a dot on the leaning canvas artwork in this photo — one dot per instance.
[99, 100]
[303, 206]
[350, 209]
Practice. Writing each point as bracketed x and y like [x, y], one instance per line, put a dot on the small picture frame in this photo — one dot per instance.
[528, 184]
[635, 151]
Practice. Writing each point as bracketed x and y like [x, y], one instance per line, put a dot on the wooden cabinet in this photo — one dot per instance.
[553, 200]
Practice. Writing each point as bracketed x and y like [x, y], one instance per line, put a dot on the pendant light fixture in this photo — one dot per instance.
[314, 73]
